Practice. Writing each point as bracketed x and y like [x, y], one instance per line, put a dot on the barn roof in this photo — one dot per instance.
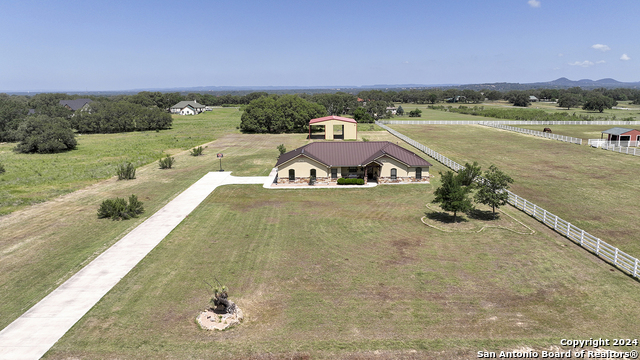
[353, 153]
[617, 131]
[332, 117]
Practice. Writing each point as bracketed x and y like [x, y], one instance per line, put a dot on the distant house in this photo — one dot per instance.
[187, 108]
[618, 134]
[77, 104]
[393, 109]
[533, 98]
[380, 161]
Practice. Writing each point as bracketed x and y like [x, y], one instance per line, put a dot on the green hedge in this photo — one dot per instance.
[345, 181]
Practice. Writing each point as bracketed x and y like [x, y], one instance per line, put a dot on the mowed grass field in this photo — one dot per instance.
[591, 188]
[43, 245]
[337, 273]
[33, 178]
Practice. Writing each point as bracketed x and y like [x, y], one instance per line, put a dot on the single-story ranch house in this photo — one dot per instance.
[187, 108]
[379, 161]
[77, 104]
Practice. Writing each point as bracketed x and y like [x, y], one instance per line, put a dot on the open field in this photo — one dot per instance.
[329, 273]
[590, 188]
[43, 245]
[583, 132]
[339, 273]
[34, 178]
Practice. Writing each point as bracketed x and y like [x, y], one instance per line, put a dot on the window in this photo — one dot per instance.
[353, 169]
[334, 173]
[312, 173]
[394, 174]
[418, 173]
[292, 175]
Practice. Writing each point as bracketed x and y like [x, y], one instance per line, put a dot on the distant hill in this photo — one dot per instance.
[561, 83]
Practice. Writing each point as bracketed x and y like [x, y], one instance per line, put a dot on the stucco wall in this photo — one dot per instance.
[302, 167]
[350, 129]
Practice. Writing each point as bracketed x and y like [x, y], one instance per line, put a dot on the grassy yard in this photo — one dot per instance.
[351, 274]
[588, 187]
[43, 245]
[34, 178]
[338, 273]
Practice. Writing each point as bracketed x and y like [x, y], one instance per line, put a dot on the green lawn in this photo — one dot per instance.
[588, 187]
[335, 273]
[34, 178]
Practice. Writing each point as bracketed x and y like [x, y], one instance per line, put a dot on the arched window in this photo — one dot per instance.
[394, 174]
[418, 173]
[292, 175]
[312, 173]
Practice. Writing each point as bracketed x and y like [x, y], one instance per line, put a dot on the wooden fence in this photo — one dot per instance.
[564, 138]
[505, 122]
[600, 248]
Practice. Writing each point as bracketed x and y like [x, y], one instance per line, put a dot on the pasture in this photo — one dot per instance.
[34, 178]
[336, 273]
[590, 188]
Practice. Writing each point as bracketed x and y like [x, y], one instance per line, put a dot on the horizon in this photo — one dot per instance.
[104, 46]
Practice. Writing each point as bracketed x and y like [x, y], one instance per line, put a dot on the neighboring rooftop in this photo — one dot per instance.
[75, 104]
[353, 153]
[183, 104]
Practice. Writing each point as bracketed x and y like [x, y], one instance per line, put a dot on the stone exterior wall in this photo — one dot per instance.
[403, 180]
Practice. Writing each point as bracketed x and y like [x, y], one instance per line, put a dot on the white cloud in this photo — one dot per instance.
[534, 3]
[600, 62]
[585, 63]
[625, 57]
[601, 47]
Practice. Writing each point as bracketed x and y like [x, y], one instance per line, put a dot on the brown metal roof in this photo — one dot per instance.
[353, 153]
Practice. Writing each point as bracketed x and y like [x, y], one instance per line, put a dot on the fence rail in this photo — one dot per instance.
[600, 248]
[505, 122]
[604, 142]
[564, 138]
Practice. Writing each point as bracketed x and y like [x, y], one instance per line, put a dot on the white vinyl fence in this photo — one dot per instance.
[596, 143]
[505, 122]
[600, 248]
[568, 139]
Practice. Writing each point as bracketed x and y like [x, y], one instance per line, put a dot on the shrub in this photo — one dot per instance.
[167, 162]
[415, 113]
[197, 151]
[346, 181]
[282, 149]
[2, 169]
[118, 208]
[126, 171]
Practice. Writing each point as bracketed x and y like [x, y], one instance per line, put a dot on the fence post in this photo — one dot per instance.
[544, 217]
[615, 258]
[598, 247]
[524, 206]
[582, 238]
[534, 210]
[568, 229]
[635, 269]
[555, 224]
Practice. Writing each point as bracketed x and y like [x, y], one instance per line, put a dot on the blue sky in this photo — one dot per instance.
[101, 45]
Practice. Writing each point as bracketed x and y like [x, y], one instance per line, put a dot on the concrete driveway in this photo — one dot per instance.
[34, 333]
